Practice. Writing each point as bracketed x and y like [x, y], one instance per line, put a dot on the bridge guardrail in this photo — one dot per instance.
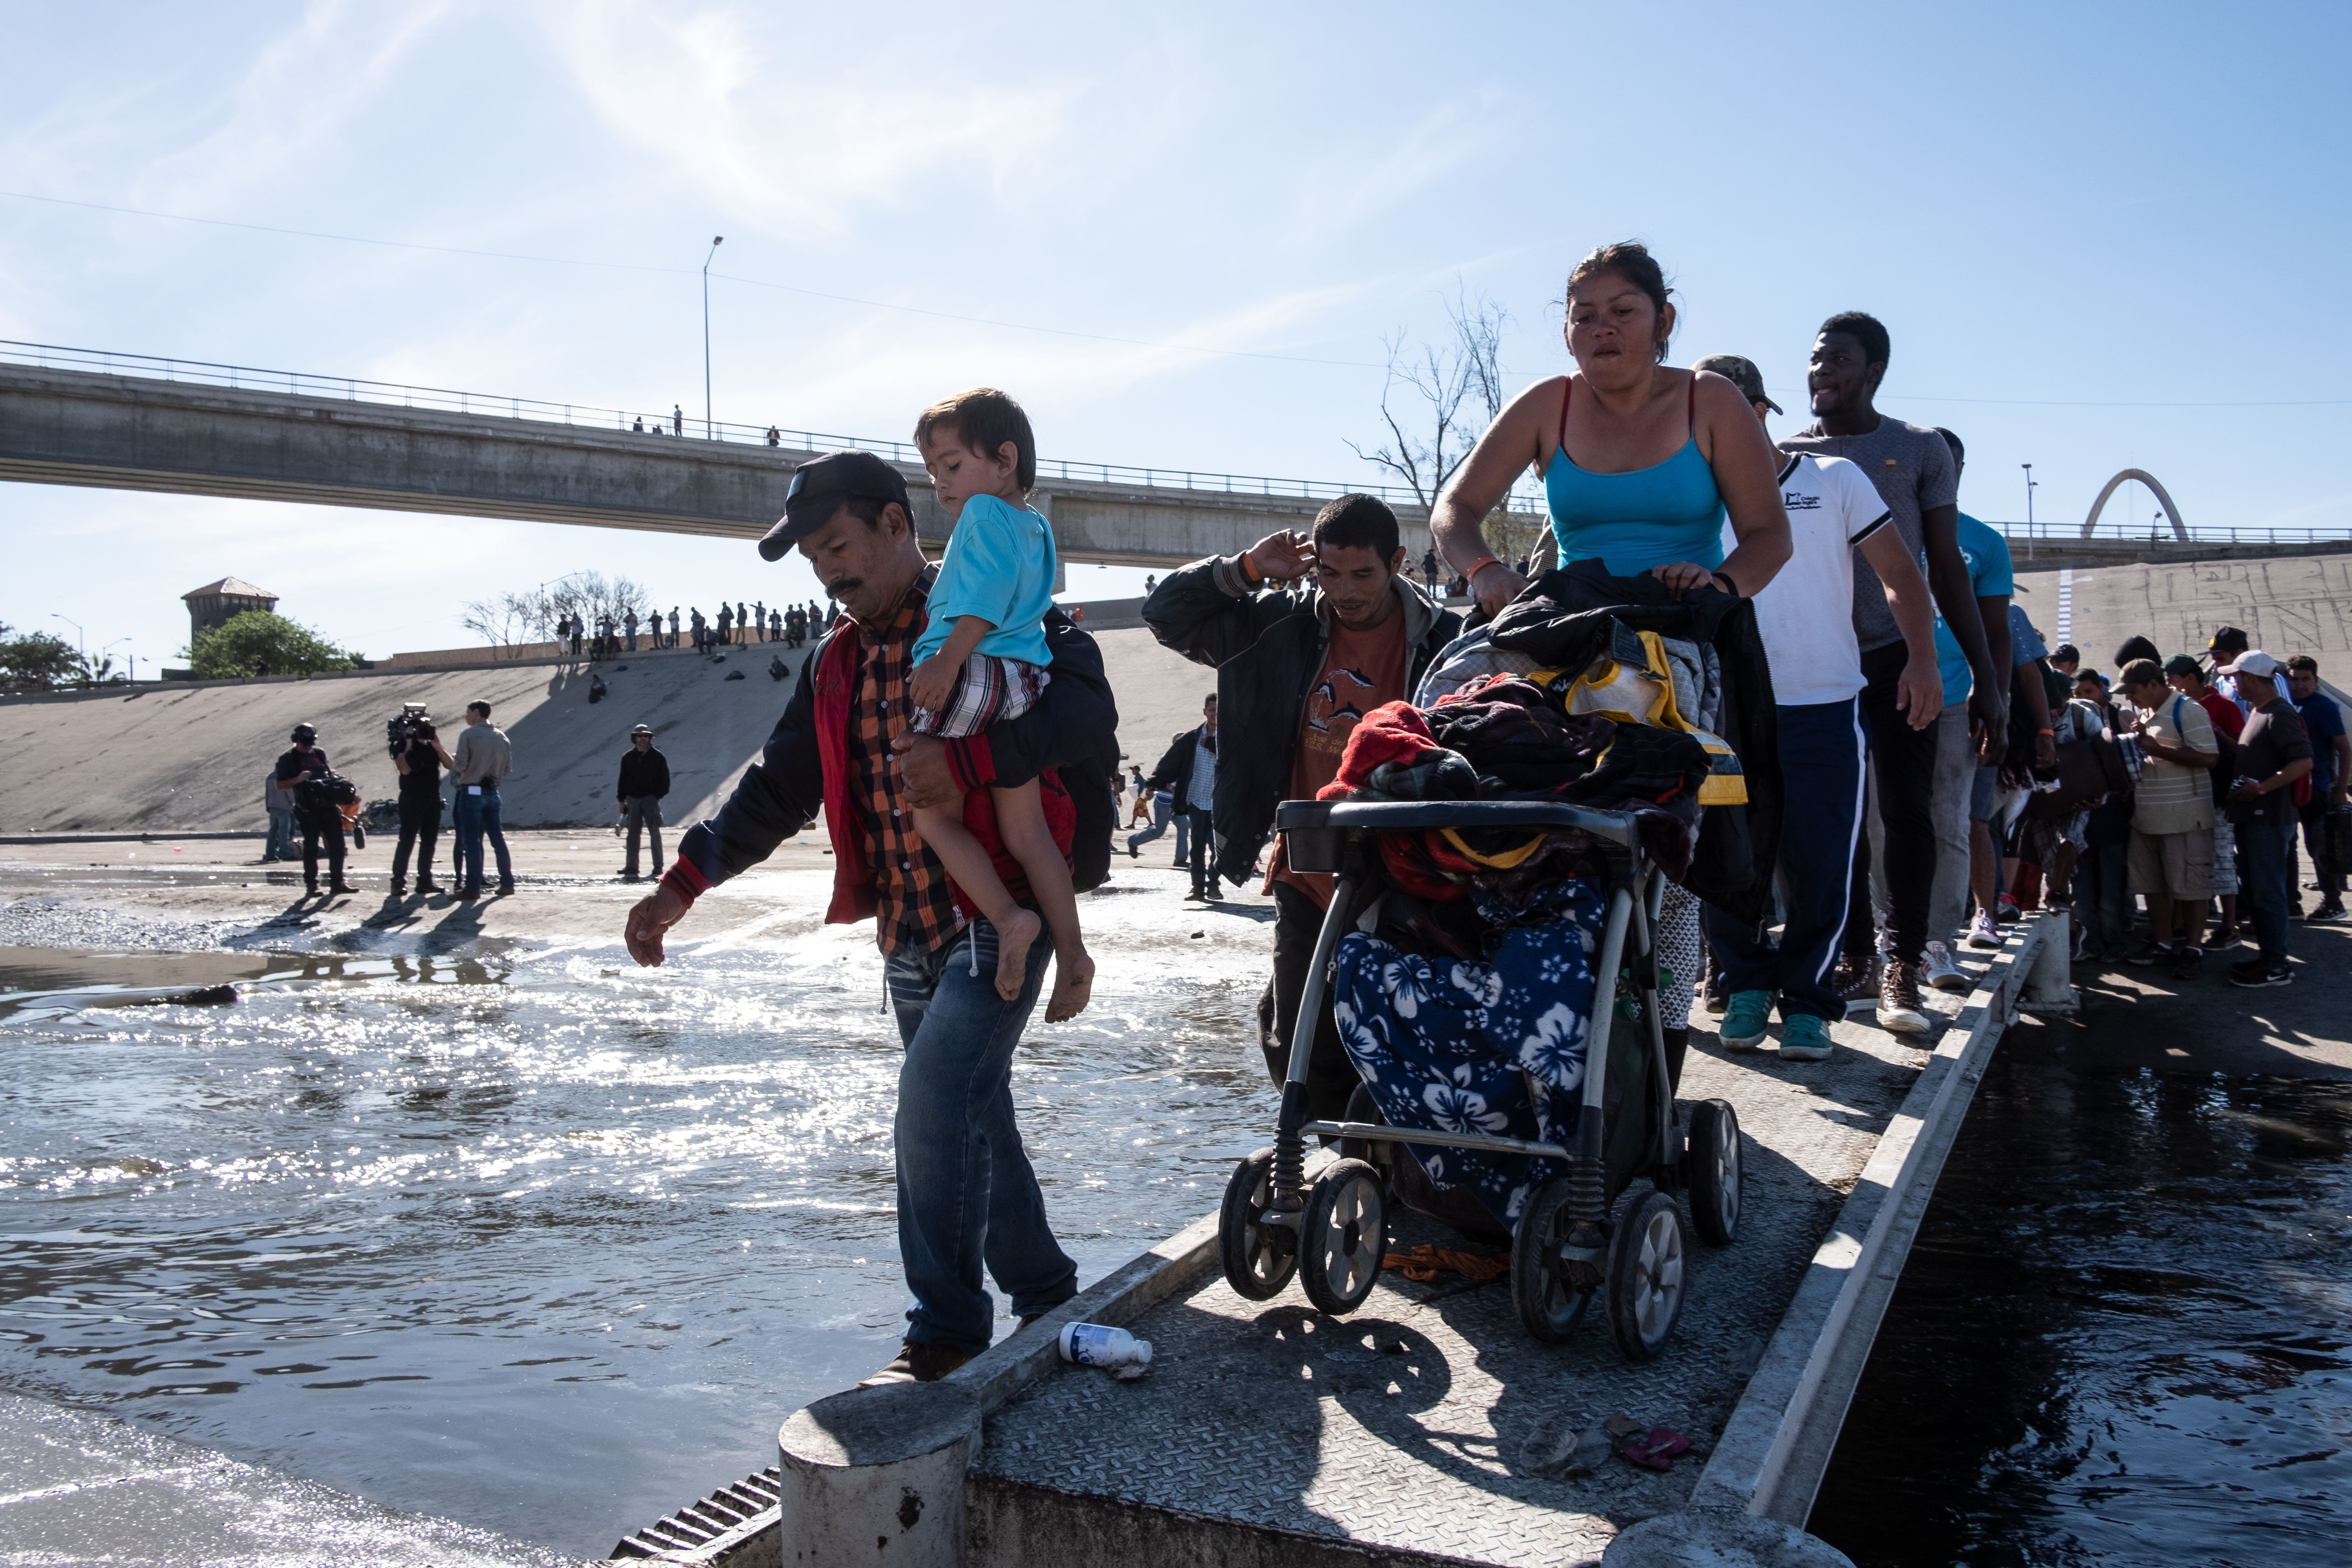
[670, 427]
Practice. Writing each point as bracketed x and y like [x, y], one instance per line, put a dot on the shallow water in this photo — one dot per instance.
[535, 1242]
[2124, 1335]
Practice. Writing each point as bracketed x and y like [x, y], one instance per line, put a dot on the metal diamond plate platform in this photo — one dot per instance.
[1415, 1423]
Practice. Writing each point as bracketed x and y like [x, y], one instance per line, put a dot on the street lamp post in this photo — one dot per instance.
[2030, 483]
[717, 240]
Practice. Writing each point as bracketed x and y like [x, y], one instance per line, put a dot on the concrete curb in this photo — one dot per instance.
[1777, 1445]
[1001, 1371]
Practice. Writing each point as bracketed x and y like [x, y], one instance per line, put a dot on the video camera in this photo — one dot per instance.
[410, 726]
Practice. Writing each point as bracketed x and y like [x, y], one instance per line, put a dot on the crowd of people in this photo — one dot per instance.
[305, 794]
[1931, 773]
[735, 625]
[313, 806]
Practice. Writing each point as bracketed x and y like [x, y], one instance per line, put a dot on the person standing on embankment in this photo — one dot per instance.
[966, 1193]
[645, 779]
[484, 756]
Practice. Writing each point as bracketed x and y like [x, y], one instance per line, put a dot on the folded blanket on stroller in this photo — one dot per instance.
[1496, 1048]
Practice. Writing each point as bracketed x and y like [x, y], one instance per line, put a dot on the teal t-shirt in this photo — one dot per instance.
[999, 566]
[1986, 554]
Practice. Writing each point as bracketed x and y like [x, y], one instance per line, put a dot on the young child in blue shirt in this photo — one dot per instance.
[983, 658]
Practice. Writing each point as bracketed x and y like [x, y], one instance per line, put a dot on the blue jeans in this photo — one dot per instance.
[2266, 883]
[1822, 748]
[283, 838]
[967, 1195]
[1161, 816]
[477, 815]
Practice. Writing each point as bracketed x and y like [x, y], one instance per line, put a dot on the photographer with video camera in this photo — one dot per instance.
[418, 754]
[318, 793]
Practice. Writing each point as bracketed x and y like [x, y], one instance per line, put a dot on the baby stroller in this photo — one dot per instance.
[1566, 1246]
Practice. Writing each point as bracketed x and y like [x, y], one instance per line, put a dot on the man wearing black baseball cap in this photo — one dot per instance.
[967, 1195]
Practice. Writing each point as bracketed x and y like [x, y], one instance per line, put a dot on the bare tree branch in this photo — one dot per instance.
[1467, 370]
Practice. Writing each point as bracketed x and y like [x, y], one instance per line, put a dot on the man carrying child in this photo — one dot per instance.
[967, 1197]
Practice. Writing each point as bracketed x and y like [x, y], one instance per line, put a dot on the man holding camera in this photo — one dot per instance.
[304, 764]
[419, 756]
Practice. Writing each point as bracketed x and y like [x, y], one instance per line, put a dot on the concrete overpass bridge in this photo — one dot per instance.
[122, 422]
[73, 416]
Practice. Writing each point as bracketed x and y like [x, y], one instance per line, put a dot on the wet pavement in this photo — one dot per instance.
[82, 1488]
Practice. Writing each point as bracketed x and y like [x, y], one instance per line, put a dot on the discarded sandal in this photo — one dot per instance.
[1425, 1263]
[1657, 1451]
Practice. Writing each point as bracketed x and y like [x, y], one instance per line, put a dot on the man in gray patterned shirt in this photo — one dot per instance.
[1913, 472]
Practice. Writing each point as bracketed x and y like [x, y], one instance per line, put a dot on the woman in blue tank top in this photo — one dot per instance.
[1640, 462]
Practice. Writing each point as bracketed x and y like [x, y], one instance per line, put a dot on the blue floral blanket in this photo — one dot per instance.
[1496, 1048]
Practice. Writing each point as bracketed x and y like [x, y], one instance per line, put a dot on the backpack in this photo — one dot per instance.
[2225, 772]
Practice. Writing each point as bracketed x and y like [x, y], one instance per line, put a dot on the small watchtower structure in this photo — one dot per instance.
[211, 605]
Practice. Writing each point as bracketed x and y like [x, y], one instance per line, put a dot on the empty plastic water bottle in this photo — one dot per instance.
[1097, 1345]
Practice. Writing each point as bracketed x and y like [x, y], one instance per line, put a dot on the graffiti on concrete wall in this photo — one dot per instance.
[2295, 605]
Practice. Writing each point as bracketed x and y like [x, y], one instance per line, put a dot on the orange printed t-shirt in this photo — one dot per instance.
[1360, 671]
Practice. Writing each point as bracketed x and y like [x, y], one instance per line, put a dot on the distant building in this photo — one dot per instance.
[211, 605]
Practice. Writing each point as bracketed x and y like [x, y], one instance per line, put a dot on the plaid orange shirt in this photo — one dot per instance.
[916, 910]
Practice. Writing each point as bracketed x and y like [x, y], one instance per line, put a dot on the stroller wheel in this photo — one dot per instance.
[1550, 1290]
[1645, 1276]
[1711, 1170]
[1344, 1236]
[1258, 1259]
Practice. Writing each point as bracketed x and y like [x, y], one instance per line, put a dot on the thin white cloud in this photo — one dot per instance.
[764, 131]
[326, 75]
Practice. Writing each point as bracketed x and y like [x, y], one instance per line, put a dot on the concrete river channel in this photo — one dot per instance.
[479, 1221]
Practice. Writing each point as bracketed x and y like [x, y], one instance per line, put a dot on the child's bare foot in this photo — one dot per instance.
[1074, 986]
[1013, 939]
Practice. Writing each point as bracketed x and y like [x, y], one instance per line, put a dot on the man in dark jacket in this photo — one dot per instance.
[1188, 770]
[645, 779]
[966, 1192]
[1297, 668]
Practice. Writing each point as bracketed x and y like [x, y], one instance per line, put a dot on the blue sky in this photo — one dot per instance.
[2061, 212]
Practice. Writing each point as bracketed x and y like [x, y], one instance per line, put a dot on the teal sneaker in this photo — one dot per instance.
[1805, 1038]
[1745, 1021]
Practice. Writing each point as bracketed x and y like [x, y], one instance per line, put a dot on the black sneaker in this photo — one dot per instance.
[2186, 961]
[2148, 954]
[2328, 913]
[2253, 974]
[1855, 979]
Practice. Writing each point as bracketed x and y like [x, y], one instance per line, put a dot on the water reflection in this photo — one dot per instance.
[2123, 1335]
[536, 1242]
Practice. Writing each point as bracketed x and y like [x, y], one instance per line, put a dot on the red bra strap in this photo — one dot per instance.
[1693, 404]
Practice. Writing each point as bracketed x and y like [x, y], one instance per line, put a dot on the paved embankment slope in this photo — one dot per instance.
[191, 758]
[2294, 604]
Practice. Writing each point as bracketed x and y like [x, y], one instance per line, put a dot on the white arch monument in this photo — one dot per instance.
[2144, 477]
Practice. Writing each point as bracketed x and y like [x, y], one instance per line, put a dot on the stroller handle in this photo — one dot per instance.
[1616, 827]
